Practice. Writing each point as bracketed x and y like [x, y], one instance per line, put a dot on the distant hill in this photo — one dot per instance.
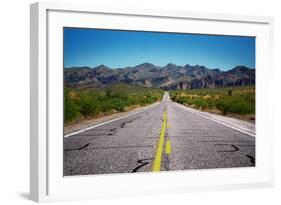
[168, 77]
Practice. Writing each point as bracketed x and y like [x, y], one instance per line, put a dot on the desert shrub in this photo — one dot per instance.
[132, 100]
[94, 101]
[229, 92]
[88, 104]
[108, 92]
[236, 105]
[237, 100]
[71, 109]
[224, 106]
[118, 104]
[105, 106]
[200, 103]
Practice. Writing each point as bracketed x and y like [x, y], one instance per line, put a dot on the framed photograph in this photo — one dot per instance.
[128, 101]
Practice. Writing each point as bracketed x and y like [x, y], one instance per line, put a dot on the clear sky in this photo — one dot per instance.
[119, 49]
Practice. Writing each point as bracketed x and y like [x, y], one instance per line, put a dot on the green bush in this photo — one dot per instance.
[71, 109]
[237, 104]
[88, 104]
[105, 106]
[94, 101]
[201, 103]
[224, 106]
[237, 100]
[118, 104]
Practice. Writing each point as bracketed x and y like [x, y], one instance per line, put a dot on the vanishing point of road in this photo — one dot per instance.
[163, 137]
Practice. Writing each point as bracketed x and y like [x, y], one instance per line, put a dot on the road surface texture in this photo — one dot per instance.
[166, 136]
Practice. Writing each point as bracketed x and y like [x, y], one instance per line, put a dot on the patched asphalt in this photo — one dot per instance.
[129, 144]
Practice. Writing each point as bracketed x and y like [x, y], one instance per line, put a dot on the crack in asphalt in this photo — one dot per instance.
[252, 159]
[89, 153]
[110, 147]
[112, 131]
[86, 145]
[124, 123]
[142, 162]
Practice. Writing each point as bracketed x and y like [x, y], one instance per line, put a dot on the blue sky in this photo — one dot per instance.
[119, 49]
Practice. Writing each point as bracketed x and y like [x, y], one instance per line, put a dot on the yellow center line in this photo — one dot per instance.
[168, 147]
[159, 150]
[168, 143]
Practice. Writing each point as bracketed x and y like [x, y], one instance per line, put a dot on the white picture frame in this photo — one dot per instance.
[46, 179]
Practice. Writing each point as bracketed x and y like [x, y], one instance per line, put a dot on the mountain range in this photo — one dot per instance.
[167, 77]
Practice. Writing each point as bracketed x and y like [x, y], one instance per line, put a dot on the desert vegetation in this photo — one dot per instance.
[239, 101]
[95, 102]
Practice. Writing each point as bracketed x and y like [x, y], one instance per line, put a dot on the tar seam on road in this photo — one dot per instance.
[158, 156]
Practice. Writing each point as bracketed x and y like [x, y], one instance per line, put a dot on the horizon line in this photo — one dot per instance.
[196, 65]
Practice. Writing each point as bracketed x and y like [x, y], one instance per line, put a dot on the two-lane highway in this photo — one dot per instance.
[163, 137]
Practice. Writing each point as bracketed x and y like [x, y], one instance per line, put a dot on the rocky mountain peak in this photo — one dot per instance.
[170, 65]
[170, 76]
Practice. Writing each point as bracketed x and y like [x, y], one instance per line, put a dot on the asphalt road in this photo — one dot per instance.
[163, 137]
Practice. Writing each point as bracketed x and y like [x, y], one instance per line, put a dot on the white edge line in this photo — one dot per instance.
[220, 122]
[103, 123]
